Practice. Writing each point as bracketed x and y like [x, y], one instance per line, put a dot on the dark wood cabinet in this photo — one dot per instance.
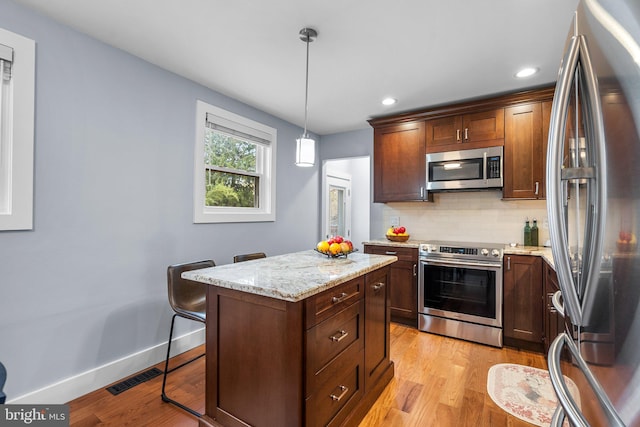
[461, 132]
[519, 121]
[524, 152]
[523, 324]
[553, 321]
[322, 361]
[399, 163]
[376, 327]
[403, 282]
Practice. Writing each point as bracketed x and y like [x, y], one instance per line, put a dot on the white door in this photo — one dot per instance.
[337, 205]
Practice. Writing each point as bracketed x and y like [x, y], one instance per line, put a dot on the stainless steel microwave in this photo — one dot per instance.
[475, 169]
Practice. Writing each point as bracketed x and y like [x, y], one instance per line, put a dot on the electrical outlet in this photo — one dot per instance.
[394, 221]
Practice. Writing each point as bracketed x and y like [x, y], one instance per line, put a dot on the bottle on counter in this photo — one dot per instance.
[534, 233]
[527, 233]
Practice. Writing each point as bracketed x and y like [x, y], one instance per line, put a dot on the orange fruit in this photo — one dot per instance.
[335, 248]
[323, 246]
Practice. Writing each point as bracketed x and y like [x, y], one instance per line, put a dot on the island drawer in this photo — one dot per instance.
[403, 254]
[328, 339]
[334, 399]
[325, 304]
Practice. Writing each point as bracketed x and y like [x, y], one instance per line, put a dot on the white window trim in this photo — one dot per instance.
[21, 133]
[208, 214]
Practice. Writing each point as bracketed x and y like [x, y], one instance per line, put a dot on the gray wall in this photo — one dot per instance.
[113, 207]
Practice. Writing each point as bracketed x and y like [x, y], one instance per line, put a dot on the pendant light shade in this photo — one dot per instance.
[305, 152]
[306, 146]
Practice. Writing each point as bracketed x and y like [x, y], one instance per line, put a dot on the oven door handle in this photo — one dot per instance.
[448, 263]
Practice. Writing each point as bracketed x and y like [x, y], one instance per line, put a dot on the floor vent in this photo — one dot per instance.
[134, 381]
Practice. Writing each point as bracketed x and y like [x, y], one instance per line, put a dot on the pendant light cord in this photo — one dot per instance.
[306, 90]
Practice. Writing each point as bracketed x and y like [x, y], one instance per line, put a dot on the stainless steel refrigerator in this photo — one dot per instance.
[593, 203]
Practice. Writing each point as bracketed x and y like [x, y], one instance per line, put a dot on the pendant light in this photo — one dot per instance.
[306, 146]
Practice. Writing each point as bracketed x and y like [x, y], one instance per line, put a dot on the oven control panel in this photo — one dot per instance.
[434, 249]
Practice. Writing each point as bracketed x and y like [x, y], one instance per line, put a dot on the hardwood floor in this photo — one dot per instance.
[438, 381]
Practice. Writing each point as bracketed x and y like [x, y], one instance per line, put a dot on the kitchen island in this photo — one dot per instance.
[296, 340]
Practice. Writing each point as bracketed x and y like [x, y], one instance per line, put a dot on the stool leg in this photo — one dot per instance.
[166, 398]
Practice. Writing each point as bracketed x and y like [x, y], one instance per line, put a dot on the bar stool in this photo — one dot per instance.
[247, 257]
[3, 379]
[188, 300]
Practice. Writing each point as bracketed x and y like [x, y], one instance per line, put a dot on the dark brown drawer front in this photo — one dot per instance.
[403, 254]
[331, 337]
[326, 304]
[333, 401]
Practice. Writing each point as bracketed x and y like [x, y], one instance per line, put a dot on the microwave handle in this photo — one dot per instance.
[484, 165]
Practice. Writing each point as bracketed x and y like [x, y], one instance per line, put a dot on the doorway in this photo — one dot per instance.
[346, 201]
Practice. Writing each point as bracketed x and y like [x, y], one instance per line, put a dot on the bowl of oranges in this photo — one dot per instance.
[397, 234]
[336, 246]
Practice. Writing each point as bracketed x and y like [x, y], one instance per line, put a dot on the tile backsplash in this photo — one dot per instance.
[469, 216]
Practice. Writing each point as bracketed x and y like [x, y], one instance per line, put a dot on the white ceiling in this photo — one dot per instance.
[422, 52]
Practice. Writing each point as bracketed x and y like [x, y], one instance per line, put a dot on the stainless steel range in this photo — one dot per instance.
[460, 290]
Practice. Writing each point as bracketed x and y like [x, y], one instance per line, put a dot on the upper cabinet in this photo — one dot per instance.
[399, 163]
[461, 132]
[519, 121]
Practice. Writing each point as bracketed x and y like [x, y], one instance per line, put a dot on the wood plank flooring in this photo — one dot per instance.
[438, 381]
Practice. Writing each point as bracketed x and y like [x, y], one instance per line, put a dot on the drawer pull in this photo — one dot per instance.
[344, 389]
[343, 296]
[391, 253]
[342, 334]
[378, 286]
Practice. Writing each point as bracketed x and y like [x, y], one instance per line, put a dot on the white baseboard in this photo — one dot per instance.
[93, 379]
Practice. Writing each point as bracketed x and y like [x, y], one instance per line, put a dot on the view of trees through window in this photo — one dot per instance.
[231, 176]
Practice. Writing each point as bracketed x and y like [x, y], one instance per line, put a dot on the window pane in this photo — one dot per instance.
[231, 189]
[226, 151]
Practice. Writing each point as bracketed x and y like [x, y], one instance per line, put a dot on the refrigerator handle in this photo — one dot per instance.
[558, 417]
[569, 406]
[555, 203]
[594, 237]
[557, 304]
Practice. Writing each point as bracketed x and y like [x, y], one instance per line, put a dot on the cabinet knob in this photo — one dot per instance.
[339, 336]
[343, 296]
[457, 134]
[377, 286]
[537, 188]
[466, 133]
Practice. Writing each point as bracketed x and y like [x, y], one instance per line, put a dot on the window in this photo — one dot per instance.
[17, 77]
[234, 168]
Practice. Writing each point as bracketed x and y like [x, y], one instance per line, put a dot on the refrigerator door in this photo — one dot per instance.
[593, 203]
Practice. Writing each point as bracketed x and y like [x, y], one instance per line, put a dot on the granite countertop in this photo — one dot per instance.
[291, 277]
[411, 243]
[540, 251]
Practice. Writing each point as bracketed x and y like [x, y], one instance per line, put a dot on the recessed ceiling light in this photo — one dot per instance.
[526, 72]
[389, 101]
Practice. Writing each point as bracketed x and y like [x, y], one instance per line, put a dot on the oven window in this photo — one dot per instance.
[455, 170]
[460, 290]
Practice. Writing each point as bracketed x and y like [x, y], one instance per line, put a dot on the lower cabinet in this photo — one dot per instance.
[523, 324]
[403, 282]
[322, 361]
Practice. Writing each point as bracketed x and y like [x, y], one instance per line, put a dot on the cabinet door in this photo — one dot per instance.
[403, 282]
[376, 326]
[523, 301]
[524, 155]
[485, 126]
[444, 132]
[399, 163]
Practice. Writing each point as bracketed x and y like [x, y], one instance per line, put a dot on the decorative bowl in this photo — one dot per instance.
[338, 255]
[395, 238]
